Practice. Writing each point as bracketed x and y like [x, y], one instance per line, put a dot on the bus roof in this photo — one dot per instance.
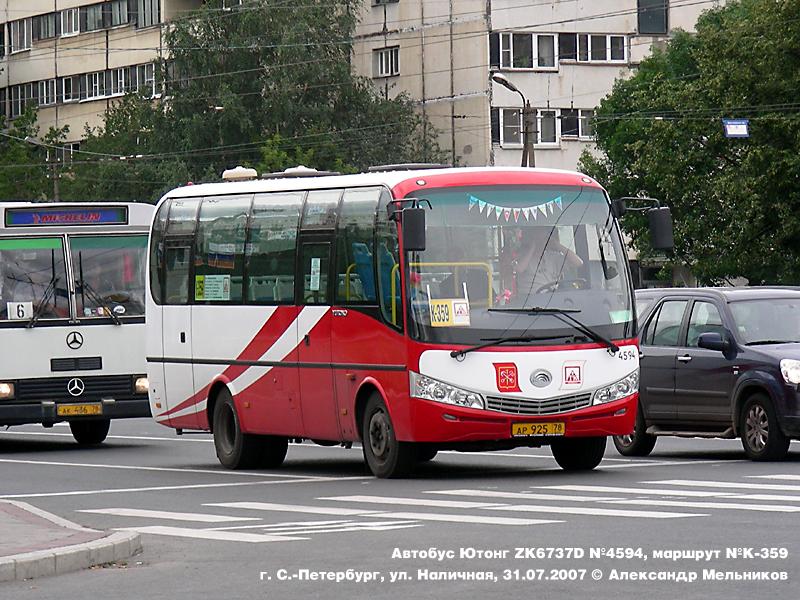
[58, 217]
[400, 182]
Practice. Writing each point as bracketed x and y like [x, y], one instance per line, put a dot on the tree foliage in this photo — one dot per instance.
[267, 84]
[735, 201]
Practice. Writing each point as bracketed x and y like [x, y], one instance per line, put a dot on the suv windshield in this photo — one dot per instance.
[768, 320]
[109, 274]
[33, 279]
[518, 246]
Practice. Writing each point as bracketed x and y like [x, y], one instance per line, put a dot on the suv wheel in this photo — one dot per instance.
[638, 442]
[762, 438]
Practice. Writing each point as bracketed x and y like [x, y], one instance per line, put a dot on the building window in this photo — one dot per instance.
[119, 81]
[523, 50]
[552, 125]
[2, 47]
[21, 33]
[547, 127]
[69, 22]
[586, 123]
[95, 85]
[21, 95]
[47, 92]
[387, 61]
[91, 17]
[567, 46]
[598, 47]
[119, 13]
[546, 47]
[146, 80]
[510, 126]
[653, 17]
[617, 47]
[70, 91]
[583, 47]
[147, 13]
[569, 122]
[44, 26]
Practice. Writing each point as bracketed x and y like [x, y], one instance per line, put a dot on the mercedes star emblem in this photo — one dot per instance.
[75, 386]
[74, 340]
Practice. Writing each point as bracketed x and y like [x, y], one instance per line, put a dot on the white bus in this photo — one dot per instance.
[72, 280]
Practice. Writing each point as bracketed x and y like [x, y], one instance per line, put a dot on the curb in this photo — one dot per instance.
[116, 546]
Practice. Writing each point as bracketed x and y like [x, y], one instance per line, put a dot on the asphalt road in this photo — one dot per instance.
[508, 524]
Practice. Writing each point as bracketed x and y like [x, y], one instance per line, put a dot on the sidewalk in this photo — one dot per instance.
[35, 543]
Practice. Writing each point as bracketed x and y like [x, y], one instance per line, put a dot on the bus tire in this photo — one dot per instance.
[638, 442]
[579, 454]
[90, 433]
[235, 449]
[272, 451]
[762, 438]
[384, 455]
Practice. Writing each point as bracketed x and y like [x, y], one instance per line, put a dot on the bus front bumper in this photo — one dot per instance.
[48, 412]
[445, 424]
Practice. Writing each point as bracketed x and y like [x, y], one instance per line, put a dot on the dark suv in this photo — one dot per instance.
[718, 362]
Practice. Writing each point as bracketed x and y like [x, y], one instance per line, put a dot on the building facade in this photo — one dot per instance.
[562, 55]
[72, 58]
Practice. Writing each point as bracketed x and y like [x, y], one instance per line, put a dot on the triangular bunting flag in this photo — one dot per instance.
[550, 207]
[498, 211]
[516, 214]
[543, 209]
[527, 213]
[507, 213]
[481, 205]
[472, 202]
[558, 201]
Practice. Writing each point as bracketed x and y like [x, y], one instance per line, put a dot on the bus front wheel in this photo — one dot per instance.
[239, 450]
[90, 433]
[385, 456]
[579, 454]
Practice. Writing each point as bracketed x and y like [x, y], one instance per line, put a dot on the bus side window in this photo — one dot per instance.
[219, 249]
[157, 254]
[272, 247]
[178, 249]
[355, 280]
[388, 265]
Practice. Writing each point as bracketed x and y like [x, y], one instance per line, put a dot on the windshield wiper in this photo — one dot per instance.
[766, 342]
[93, 295]
[564, 315]
[502, 340]
[39, 310]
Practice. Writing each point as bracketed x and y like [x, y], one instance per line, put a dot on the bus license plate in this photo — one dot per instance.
[79, 410]
[527, 429]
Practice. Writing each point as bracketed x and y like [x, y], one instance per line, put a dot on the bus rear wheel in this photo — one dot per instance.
[238, 450]
[90, 433]
[579, 454]
[385, 456]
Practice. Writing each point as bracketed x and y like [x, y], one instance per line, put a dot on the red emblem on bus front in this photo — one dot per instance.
[507, 380]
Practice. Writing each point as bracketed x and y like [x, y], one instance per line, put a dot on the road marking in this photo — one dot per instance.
[172, 516]
[777, 476]
[211, 534]
[412, 501]
[523, 495]
[144, 438]
[323, 510]
[674, 463]
[315, 510]
[163, 488]
[724, 505]
[634, 491]
[729, 485]
[50, 463]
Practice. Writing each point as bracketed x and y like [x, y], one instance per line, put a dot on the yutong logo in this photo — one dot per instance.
[75, 386]
[541, 378]
[74, 340]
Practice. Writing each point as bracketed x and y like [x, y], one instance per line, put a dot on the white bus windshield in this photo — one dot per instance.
[109, 273]
[33, 279]
[516, 247]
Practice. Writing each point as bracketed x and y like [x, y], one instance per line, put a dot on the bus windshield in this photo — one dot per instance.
[518, 247]
[33, 279]
[109, 273]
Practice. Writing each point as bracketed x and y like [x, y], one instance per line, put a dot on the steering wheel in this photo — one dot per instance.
[564, 285]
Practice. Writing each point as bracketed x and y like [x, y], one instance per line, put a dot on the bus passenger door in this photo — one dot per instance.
[317, 396]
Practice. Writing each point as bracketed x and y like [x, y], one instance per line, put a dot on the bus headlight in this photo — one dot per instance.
[141, 386]
[618, 390]
[431, 389]
[6, 390]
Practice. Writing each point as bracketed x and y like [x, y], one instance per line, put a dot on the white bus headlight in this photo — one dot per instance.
[6, 390]
[618, 390]
[431, 389]
[790, 369]
[142, 386]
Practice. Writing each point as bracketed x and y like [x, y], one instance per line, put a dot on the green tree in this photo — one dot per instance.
[266, 84]
[735, 201]
[23, 170]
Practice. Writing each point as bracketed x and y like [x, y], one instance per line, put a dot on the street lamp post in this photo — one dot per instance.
[529, 131]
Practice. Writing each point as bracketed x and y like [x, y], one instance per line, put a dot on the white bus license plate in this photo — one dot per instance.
[529, 429]
[79, 410]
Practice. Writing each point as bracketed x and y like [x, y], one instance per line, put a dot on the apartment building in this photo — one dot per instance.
[72, 58]
[562, 55]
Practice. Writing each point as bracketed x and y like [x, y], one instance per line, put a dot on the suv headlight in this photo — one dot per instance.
[618, 390]
[790, 369]
[431, 389]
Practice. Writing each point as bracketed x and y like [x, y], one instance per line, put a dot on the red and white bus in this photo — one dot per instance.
[72, 287]
[410, 310]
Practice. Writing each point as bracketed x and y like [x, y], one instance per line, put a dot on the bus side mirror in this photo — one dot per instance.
[413, 229]
[660, 221]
